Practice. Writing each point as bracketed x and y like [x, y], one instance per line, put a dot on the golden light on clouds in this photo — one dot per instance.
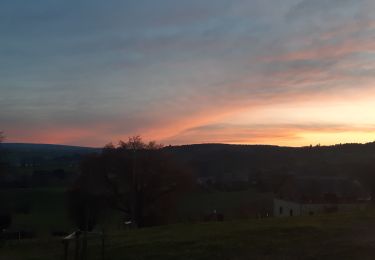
[294, 72]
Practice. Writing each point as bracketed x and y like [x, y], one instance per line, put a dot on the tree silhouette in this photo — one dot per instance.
[2, 164]
[86, 205]
[5, 216]
[139, 179]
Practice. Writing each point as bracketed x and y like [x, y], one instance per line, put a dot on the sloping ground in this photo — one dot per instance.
[345, 236]
[46, 209]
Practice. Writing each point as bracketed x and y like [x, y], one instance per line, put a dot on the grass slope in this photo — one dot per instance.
[47, 209]
[336, 236]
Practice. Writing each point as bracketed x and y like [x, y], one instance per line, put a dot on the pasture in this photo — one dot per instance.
[334, 236]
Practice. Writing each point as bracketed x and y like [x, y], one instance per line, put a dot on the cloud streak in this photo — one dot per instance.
[87, 72]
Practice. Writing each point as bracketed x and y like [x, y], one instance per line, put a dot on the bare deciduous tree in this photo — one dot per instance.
[139, 179]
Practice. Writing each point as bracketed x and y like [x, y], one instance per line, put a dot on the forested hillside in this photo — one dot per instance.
[221, 161]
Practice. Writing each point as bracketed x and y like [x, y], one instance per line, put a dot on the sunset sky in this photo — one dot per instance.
[87, 72]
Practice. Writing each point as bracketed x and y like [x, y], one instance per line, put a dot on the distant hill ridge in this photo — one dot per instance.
[40, 146]
[34, 146]
[237, 160]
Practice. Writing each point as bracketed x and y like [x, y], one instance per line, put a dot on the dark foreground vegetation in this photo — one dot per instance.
[188, 202]
[226, 166]
[333, 236]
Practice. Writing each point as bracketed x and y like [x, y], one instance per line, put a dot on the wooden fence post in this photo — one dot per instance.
[78, 246]
[66, 248]
[103, 244]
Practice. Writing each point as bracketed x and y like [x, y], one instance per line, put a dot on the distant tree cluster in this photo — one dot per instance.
[139, 179]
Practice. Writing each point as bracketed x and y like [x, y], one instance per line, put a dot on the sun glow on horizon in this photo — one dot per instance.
[289, 73]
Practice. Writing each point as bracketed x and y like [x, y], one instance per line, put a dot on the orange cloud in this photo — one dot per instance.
[321, 71]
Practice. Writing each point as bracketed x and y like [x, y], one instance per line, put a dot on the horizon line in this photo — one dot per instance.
[191, 144]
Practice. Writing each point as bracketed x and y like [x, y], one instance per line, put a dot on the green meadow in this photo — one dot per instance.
[47, 207]
[334, 236]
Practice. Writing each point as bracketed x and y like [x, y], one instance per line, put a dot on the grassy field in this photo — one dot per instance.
[233, 205]
[335, 236]
[47, 209]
